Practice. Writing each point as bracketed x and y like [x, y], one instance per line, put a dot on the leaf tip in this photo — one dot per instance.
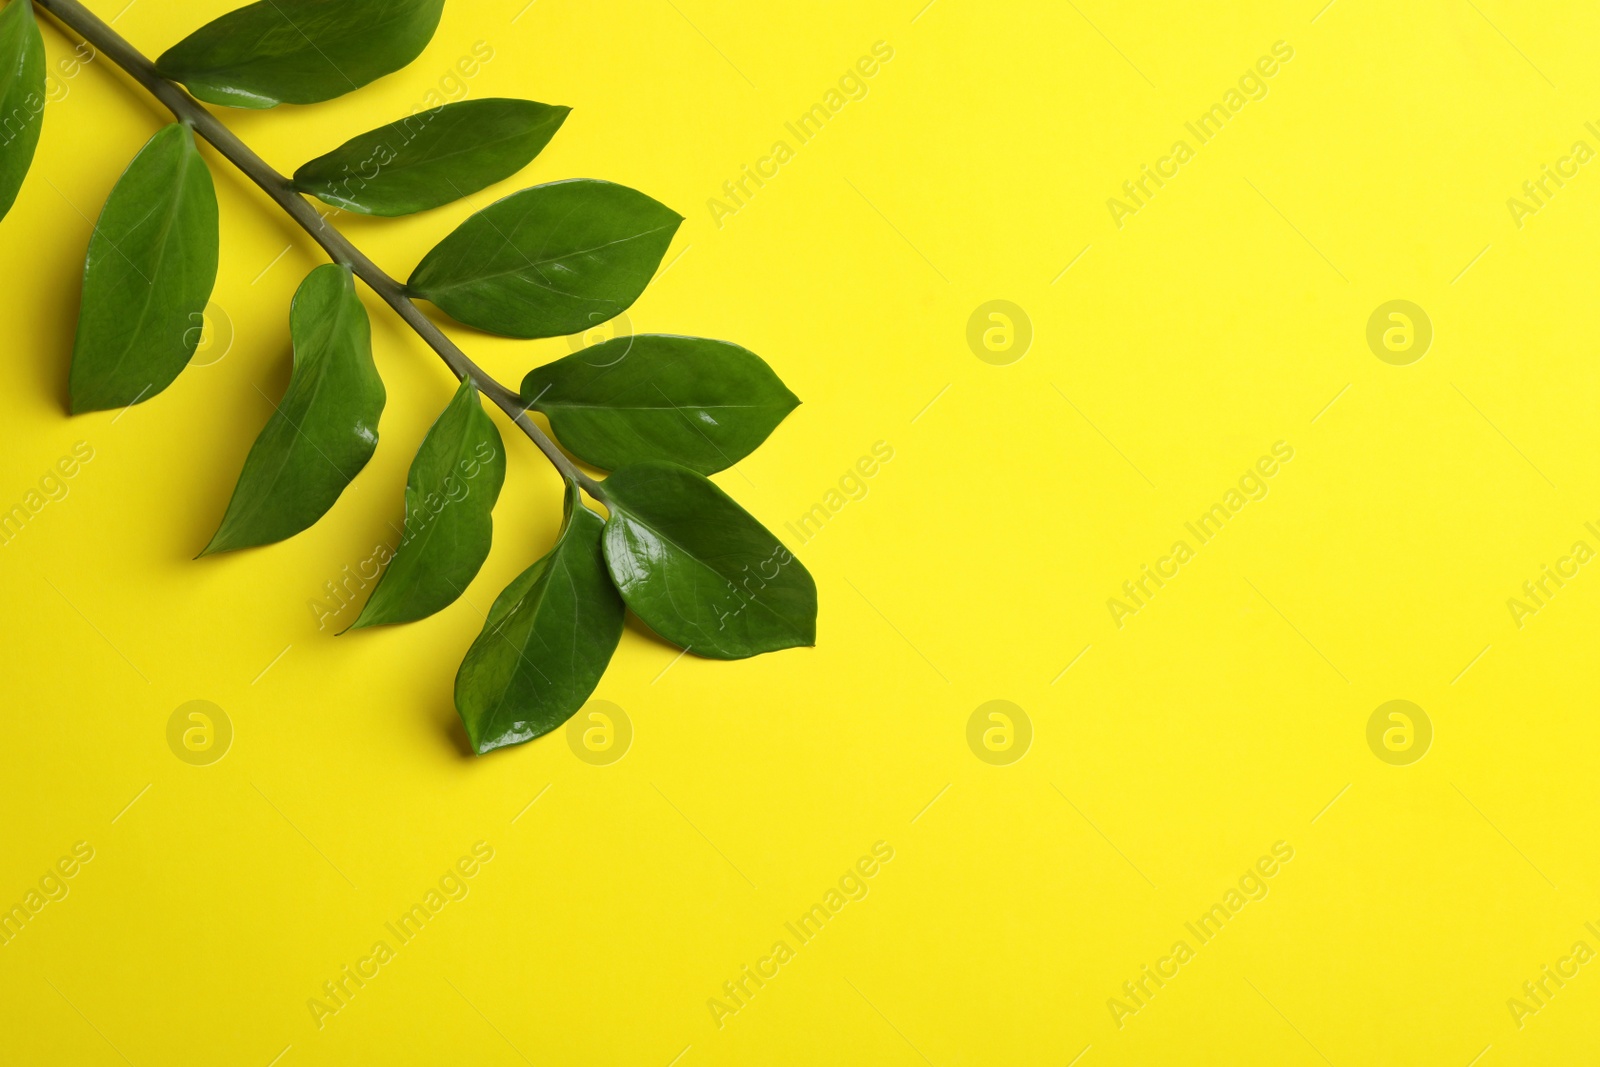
[78, 403]
[366, 619]
[221, 541]
[481, 745]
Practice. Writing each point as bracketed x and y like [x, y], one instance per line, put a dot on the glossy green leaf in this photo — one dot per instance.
[545, 643]
[299, 51]
[148, 276]
[325, 428]
[22, 92]
[699, 570]
[433, 157]
[450, 493]
[550, 260]
[699, 403]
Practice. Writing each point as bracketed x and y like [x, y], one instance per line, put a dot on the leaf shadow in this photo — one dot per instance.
[63, 319]
[248, 408]
[453, 731]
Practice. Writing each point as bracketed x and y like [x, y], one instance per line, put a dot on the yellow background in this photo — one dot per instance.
[1227, 715]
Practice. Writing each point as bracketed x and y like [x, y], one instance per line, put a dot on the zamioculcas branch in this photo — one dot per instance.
[659, 412]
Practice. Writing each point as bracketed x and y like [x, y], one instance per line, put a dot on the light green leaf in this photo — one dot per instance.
[450, 493]
[148, 276]
[550, 260]
[299, 51]
[699, 403]
[433, 157]
[545, 643]
[22, 92]
[699, 570]
[325, 428]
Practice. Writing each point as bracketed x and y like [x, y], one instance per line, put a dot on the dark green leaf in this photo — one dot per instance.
[151, 265]
[325, 428]
[550, 260]
[454, 483]
[545, 643]
[699, 403]
[700, 570]
[433, 157]
[21, 96]
[299, 51]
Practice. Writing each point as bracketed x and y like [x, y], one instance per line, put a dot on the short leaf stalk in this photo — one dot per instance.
[191, 113]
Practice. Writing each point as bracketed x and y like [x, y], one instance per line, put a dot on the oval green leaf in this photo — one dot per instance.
[702, 404]
[325, 428]
[550, 260]
[22, 92]
[450, 493]
[433, 157]
[299, 51]
[151, 265]
[699, 570]
[545, 643]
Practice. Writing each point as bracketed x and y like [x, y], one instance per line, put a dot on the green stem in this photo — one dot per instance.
[187, 110]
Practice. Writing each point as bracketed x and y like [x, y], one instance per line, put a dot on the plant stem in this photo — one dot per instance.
[187, 110]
